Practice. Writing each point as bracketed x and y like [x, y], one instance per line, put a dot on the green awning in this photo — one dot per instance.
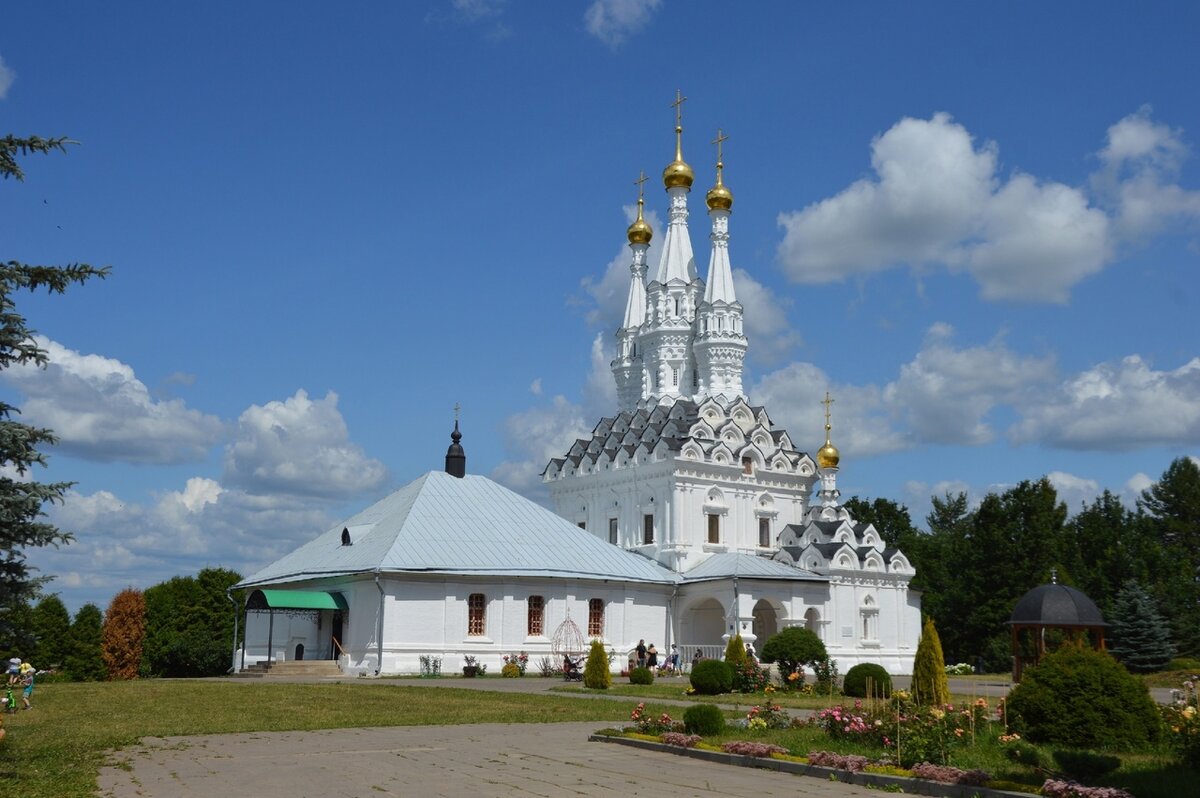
[295, 600]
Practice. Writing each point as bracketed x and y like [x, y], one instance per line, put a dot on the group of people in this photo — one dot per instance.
[647, 657]
[20, 674]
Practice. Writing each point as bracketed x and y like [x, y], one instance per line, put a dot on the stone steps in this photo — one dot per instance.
[309, 667]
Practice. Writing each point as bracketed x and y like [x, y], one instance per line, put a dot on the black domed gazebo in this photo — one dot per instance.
[1067, 612]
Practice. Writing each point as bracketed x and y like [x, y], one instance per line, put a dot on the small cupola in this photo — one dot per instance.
[456, 457]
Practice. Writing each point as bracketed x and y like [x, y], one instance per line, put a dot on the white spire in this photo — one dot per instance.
[627, 366]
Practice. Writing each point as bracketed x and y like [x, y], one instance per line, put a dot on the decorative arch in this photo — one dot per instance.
[869, 617]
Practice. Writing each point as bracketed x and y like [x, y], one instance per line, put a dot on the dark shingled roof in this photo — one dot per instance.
[1056, 605]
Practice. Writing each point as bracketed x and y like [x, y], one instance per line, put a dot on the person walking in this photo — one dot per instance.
[652, 657]
[27, 674]
[641, 653]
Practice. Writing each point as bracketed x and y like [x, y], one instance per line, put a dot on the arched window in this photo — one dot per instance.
[595, 617]
[475, 618]
[537, 611]
[869, 613]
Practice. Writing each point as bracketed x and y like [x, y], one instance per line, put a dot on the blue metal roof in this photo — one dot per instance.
[444, 524]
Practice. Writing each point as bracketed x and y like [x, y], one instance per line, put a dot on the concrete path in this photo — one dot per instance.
[483, 760]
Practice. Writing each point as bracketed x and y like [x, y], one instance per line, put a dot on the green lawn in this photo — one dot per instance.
[56, 750]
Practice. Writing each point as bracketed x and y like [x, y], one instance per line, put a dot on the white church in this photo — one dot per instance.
[685, 518]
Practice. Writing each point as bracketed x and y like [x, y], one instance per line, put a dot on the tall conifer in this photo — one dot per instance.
[929, 683]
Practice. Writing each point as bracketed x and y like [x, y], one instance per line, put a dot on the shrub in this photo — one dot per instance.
[680, 740]
[510, 671]
[826, 673]
[735, 651]
[1085, 765]
[1081, 698]
[647, 724]
[828, 759]
[867, 675]
[793, 648]
[704, 719]
[712, 677]
[122, 634]
[641, 676]
[929, 685]
[750, 678]
[595, 673]
[752, 749]
[1028, 755]
[1184, 664]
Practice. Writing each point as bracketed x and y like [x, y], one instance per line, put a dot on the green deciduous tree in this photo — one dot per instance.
[21, 498]
[123, 634]
[84, 661]
[890, 519]
[189, 625]
[793, 648]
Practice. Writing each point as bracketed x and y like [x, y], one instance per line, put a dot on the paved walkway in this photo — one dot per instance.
[484, 760]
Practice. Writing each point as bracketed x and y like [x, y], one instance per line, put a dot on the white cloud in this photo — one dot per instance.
[1115, 407]
[1141, 161]
[534, 437]
[7, 76]
[1074, 491]
[861, 424]
[101, 411]
[613, 21]
[936, 200]
[945, 394]
[610, 293]
[765, 320]
[299, 447]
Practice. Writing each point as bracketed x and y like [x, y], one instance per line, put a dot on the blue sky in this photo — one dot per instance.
[977, 226]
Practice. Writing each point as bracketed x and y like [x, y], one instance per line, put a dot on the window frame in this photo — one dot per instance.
[595, 618]
[477, 615]
[535, 616]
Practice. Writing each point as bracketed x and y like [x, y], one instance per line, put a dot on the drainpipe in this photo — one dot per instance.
[233, 655]
[379, 639]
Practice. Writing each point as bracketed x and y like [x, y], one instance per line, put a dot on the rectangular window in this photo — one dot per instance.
[612, 531]
[536, 614]
[475, 604]
[674, 377]
[648, 528]
[764, 532]
[714, 528]
[595, 617]
[747, 465]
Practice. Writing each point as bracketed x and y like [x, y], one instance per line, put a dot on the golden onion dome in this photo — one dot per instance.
[828, 455]
[719, 197]
[639, 232]
[678, 173]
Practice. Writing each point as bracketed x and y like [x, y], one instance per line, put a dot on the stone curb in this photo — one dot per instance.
[907, 785]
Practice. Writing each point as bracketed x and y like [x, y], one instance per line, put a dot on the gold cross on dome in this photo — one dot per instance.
[719, 140]
[828, 401]
[639, 183]
[678, 104]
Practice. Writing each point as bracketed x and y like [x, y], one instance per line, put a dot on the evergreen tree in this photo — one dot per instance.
[1106, 545]
[123, 633]
[1140, 638]
[596, 674]
[51, 626]
[1173, 507]
[735, 651]
[929, 683]
[84, 660]
[21, 498]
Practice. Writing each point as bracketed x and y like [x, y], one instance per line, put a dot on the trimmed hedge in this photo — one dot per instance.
[704, 719]
[712, 677]
[641, 676]
[856, 680]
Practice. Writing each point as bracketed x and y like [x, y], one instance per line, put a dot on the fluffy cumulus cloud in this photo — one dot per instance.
[101, 411]
[936, 199]
[1117, 406]
[614, 21]
[120, 543]
[7, 76]
[1141, 163]
[1074, 491]
[946, 393]
[299, 447]
[766, 324]
[862, 424]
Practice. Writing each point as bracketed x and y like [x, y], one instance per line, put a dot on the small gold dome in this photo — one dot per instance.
[828, 456]
[719, 196]
[639, 232]
[678, 173]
